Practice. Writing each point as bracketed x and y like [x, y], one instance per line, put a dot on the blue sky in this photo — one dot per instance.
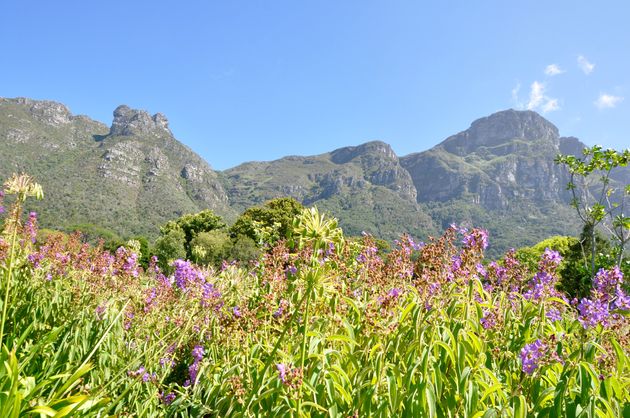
[258, 80]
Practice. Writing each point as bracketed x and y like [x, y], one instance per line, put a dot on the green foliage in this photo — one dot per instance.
[274, 217]
[600, 203]
[211, 248]
[190, 225]
[531, 255]
[194, 223]
[244, 249]
[312, 228]
[144, 250]
[170, 246]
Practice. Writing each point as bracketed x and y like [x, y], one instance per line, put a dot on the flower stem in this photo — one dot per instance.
[9, 276]
[303, 355]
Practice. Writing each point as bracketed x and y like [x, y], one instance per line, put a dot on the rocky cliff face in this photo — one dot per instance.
[129, 122]
[501, 160]
[365, 186]
[131, 177]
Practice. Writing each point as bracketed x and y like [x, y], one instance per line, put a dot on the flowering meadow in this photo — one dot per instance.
[318, 325]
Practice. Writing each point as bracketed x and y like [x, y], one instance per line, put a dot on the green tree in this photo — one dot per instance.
[170, 246]
[275, 217]
[211, 247]
[244, 249]
[191, 225]
[598, 203]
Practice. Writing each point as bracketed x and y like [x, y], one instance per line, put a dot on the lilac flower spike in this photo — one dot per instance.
[282, 371]
[531, 356]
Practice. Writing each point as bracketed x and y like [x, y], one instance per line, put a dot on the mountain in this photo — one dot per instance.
[499, 174]
[130, 177]
[134, 175]
[364, 186]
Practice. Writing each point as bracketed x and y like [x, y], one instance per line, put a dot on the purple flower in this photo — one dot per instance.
[551, 258]
[622, 301]
[291, 270]
[488, 320]
[394, 293]
[31, 226]
[593, 312]
[193, 371]
[531, 356]
[481, 270]
[456, 263]
[168, 399]
[541, 286]
[282, 371]
[476, 238]
[553, 315]
[606, 282]
[197, 353]
[186, 274]
[236, 312]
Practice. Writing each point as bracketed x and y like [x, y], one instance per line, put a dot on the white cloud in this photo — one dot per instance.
[515, 91]
[539, 101]
[585, 65]
[606, 101]
[551, 105]
[536, 95]
[553, 69]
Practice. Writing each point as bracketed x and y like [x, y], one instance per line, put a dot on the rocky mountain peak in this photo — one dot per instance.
[501, 127]
[46, 111]
[375, 148]
[128, 121]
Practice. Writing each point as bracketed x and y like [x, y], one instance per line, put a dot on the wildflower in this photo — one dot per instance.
[476, 238]
[532, 355]
[282, 372]
[193, 371]
[142, 374]
[550, 259]
[185, 274]
[197, 353]
[31, 226]
[291, 269]
[481, 270]
[168, 398]
[622, 301]
[394, 293]
[236, 311]
[553, 315]
[593, 312]
[541, 286]
[489, 319]
[606, 282]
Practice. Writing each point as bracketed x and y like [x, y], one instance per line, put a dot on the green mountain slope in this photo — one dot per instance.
[131, 177]
[364, 186]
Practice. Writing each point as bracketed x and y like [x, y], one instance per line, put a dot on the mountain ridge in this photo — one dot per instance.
[134, 174]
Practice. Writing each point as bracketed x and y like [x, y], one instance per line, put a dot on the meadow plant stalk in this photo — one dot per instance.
[9, 274]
